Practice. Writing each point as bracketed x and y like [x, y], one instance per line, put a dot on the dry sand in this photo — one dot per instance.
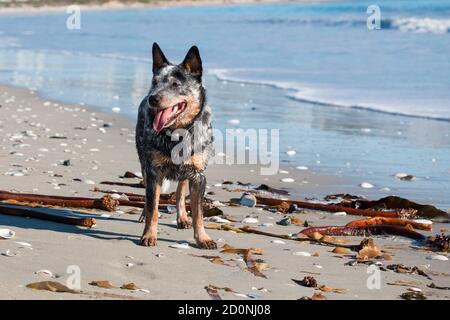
[103, 252]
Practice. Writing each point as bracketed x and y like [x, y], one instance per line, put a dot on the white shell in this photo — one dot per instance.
[288, 180]
[219, 220]
[105, 215]
[267, 224]
[291, 152]
[437, 257]
[248, 200]
[301, 168]
[7, 234]
[340, 213]
[183, 245]
[423, 221]
[234, 121]
[8, 253]
[89, 182]
[143, 290]
[283, 172]
[115, 196]
[171, 209]
[414, 289]
[278, 241]
[129, 265]
[250, 220]
[366, 185]
[302, 254]
[115, 109]
[400, 175]
[24, 244]
[44, 272]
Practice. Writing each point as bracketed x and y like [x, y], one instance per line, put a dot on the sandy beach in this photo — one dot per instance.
[39, 135]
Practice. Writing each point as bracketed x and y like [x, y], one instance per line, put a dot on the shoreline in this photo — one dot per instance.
[117, 5]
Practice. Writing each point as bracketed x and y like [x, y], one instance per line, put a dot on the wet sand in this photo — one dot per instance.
[31, 156]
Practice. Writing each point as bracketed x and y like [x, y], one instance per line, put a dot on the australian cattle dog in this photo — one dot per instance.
[175, 112]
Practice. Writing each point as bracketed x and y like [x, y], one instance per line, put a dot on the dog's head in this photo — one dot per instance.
[177, 94]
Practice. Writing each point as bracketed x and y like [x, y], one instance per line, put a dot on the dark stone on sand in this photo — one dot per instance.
[66, 163]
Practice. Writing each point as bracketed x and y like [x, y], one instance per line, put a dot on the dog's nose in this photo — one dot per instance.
[153, 100]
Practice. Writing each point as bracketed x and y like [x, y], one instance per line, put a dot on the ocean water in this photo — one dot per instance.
[352, 102]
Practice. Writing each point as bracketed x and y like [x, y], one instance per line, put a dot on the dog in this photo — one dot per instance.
[176, 102]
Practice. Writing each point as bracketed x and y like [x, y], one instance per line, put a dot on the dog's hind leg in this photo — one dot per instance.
[182, 218]
[197, 187]
[152, 193]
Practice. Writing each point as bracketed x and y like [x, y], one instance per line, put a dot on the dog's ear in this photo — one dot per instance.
[159, 60]
[193, 62]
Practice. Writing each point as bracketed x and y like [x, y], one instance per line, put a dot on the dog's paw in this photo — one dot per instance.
[207, 244]
[184, 224]
[148, 241]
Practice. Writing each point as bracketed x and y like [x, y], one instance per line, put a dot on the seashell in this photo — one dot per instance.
[267, 224]
[414, 289]
[340, 213]
[248, 200]
[340, 250]
[44, 273]
[302, 254]
[143, 290]
[385, 189]
[89, 182]
[278, 242]
[7, 234]
[291, 153]
[115, 109]
[287, 180]
[301, 168]
[283, 172]
[115, 196]
[366, 185]
[437, 257]
[423, 221]
[234, 122]
[183, 245]
[218, 219]
[129, 265]
[105, 215]
[9, 253]
[171, 209]
[24, 244]
[250, 220]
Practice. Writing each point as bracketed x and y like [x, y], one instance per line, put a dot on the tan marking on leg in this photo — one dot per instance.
[182, 218]
[198, 160]
[200, 235]
[150, 233]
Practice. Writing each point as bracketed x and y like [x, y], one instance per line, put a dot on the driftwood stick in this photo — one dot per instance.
[330, 208]
[31, 213]
[274, 235]
[135, 196]
[124, 184]
[105, 203]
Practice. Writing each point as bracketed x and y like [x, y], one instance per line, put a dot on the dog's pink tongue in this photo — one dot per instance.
[161, 119]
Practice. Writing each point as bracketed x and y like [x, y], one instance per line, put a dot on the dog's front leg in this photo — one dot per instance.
[197, 187]
[152, 193]
[182, 218]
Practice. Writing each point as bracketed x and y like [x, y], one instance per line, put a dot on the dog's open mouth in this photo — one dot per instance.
[166, 117]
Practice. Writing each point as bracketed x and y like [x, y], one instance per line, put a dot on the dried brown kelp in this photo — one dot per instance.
[52, 286]
[307, 281]
[400, 268]
[365, 232]
[393, 202]
[376, 221]
[439, 242]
